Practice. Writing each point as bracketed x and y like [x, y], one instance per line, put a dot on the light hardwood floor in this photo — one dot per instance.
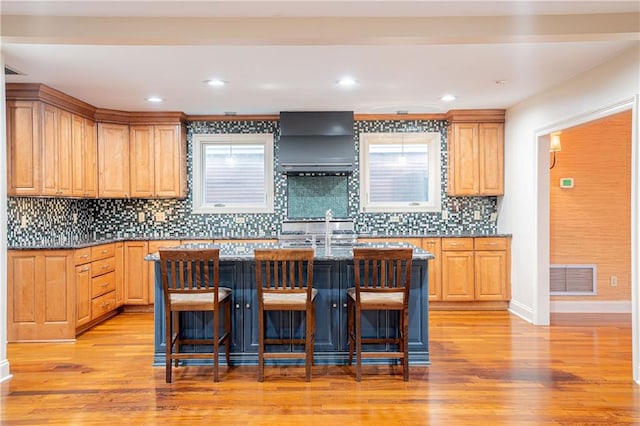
[488, 368]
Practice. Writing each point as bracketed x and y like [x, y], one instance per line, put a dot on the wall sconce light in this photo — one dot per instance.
[554, 147]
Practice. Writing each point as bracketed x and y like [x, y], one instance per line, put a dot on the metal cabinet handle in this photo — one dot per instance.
[248, 306]
[344, 305]
[85, 269]
[335, 305]
[105, 285]
[84, 256]
[237, 306]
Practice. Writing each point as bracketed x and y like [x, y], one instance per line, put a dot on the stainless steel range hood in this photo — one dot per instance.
[316, 142]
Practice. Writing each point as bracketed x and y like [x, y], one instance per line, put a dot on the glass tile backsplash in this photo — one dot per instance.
[311, 196]
[51, 221]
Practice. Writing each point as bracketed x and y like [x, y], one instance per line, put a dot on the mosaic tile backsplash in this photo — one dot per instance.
[53, 221]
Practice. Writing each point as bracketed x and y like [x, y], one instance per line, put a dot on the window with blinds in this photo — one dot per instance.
[400, 172]
[233, 173]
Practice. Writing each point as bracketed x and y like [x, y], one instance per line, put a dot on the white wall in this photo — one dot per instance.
[4, 362]
[524, 210]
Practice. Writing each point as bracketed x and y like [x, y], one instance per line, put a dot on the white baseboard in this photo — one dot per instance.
[600, 307]
[523, 311]
[4, 370]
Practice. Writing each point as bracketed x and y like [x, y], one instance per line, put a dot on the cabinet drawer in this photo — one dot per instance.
[103, 266]
[490, 243]
[103, 304]
[103, 251]
[449, 244]
[82, 256]
[103, 284]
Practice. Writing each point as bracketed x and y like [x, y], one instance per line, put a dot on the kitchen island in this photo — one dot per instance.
[332, 275]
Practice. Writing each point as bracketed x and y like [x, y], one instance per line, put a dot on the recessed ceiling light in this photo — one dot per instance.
[448, 98]
[216, 82]
[346, 82]
[155, 99]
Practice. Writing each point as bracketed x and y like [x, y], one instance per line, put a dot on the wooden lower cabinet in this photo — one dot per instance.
[83, 286]
[434, 246]
[119, 277]
[41, 295]
[95, 281]
[136, 272]
[457, 269]
[476, 270]
[492, 269]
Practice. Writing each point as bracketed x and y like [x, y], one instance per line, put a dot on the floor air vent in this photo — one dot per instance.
[572, 279]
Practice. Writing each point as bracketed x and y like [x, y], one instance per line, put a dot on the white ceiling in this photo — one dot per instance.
[288, 55]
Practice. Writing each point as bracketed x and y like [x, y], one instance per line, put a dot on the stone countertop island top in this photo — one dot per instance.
[244, 251]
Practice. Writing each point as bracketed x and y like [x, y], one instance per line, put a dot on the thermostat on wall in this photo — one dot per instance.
[566, 183]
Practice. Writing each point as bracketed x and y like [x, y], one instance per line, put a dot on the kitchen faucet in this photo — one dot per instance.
[327, 236]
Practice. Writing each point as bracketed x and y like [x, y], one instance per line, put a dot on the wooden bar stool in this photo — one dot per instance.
[284, 279]
[382, 278]
[190, 280]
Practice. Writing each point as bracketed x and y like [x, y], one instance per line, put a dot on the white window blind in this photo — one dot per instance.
[400, 172]
[233, 173]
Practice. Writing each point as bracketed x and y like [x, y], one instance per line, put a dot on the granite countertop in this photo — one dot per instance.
[235, 251]
[62, 244]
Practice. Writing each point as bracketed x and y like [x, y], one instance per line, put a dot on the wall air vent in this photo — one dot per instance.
[10, 71]
[572, 280]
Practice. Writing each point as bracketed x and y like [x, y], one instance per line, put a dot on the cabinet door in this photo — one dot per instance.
[90, 159]
[463, 159]
[77, 150]
[141, 167]
[136, 281]
[50, 150]
[40, 295]
[113, 160]
[83, 294]
[119, 269]
[23, 148]
[65, 150]
[457, 275]
[153, 247]
[433, 245]
[170, 161]
[491, 158]
[491, 281]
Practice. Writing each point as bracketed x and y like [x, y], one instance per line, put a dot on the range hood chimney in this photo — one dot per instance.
[316, 142]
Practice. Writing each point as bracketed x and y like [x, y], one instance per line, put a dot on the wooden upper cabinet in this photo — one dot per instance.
[476, 153]
[78, 148]
[113, 160]
[84, 154]
[491, 158]
[57, 162]
[65, 160]
[50, 151]
[90, 159]
[463, 159]
[23, 148]
[141, 151]
[157, 161]
[170, 161]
